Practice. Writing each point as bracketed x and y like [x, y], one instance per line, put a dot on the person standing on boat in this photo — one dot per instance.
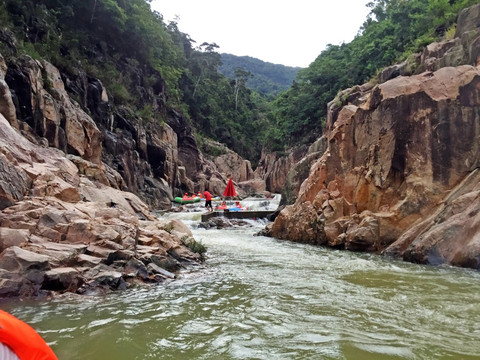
[208, 200]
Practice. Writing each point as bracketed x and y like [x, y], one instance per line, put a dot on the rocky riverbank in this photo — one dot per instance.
[79, 178]
[61, 230]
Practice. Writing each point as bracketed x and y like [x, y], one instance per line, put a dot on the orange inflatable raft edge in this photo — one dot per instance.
[23, 340]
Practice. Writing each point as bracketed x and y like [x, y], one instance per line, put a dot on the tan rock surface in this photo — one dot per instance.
[394, 163]
[61, 232]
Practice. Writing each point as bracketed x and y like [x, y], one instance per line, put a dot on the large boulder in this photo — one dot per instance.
[395, 165]
[226, 161]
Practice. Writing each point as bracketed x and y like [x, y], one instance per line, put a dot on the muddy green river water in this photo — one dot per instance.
[261, 298]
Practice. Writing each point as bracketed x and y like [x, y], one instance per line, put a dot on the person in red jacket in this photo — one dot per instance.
[208, 200]
[19, 340]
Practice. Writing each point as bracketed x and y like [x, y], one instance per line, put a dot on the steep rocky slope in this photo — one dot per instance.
[401, 173]
[78, 182]
[155, 159]
[63, 231]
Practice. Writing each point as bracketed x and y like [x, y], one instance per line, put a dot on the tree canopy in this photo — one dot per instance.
[267, 79]
[393, 30]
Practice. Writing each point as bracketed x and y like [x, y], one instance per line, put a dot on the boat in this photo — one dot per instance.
[18, 340]
[187, 199]
[235, 209]
[225, 207]
[229, 193]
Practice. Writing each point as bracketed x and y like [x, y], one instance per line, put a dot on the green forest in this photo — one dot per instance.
[266, 78]
[132, 50]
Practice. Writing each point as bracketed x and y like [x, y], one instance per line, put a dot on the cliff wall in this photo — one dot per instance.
[401, 171]
[143, 159]
[154, 154]
[78, 181]
[284, 174]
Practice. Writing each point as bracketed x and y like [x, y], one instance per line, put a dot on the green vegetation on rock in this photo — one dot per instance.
[150, 67]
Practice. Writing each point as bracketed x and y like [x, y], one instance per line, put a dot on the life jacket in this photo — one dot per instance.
[23, 339]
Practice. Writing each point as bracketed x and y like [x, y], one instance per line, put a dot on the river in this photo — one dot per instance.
[261, 298]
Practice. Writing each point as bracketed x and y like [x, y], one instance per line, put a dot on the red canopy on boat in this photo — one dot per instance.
[230, 189]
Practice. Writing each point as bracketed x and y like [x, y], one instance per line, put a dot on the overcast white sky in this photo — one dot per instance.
[288, 32]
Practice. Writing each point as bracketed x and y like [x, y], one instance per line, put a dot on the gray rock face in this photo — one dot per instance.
[285, 174]
[156, 160]
[19, 260]
[468, 20]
